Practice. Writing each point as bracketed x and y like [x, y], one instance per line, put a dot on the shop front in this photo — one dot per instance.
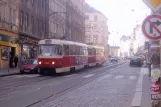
[29, 46]
[8, 48]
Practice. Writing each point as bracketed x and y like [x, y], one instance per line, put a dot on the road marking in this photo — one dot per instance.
[132, 77]
[119, 77]
[106, 76]
[70, 75]
[88, 76]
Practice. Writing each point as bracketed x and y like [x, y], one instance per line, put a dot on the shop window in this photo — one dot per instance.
[4, 54]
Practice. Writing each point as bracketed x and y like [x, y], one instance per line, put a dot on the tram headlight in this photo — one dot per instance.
[53, 63]
[39, 62]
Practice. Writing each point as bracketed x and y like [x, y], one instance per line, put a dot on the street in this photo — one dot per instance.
[85, 88]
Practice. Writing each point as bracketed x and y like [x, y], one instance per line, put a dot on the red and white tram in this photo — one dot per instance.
[57, 56]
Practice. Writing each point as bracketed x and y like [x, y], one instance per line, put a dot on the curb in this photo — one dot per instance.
[4, 75]
[136, 102]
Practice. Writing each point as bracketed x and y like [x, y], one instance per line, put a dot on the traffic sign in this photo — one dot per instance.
[154, 5]
[151, 27]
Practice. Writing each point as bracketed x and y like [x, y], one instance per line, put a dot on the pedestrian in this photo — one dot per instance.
[10, 60]
[16, 60]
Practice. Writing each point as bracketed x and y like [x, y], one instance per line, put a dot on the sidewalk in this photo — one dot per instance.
[146, 95]
[7, 72]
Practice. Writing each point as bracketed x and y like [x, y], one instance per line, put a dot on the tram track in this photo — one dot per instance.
[75, 85]
[13, 94]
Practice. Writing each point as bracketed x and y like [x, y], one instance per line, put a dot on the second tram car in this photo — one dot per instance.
[58, 56]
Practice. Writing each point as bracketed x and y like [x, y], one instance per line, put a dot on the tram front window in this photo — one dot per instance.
[51, 50]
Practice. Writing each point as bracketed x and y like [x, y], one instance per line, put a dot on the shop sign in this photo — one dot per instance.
[6, 38]
[48, 41]
[155, 91]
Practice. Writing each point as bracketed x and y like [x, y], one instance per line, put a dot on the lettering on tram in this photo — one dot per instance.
[57, 56]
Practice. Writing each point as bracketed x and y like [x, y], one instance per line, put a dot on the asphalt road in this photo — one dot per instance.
[36, 91]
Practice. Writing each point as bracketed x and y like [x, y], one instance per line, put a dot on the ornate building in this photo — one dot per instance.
[9, 24]
[33, 25]
[96, 28]
[75, 20]
[66, 19]
[57, 18]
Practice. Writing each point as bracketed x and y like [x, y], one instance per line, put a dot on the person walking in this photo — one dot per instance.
[16, 60]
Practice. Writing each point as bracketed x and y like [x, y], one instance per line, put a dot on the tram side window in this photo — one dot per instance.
[71, 50]
[93, 51]
[85, 51]
[66, 49]
[90, 51]
[81, 50]
[77, 50]
[97, 51]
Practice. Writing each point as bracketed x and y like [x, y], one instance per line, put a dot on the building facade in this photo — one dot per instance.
[75, 22]
[9, 25]
[57, 19]
[66, 20]
[33, 26]
[96, 28]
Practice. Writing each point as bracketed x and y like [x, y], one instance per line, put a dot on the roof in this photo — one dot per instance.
[91, 9]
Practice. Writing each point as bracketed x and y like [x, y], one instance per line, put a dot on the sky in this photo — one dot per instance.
[122, 15]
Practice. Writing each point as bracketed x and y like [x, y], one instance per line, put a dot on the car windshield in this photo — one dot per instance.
[50, 50]
[35, 62]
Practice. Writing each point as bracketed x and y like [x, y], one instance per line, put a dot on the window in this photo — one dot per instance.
[2, 11]
[78, 50]
[39, 3]
[32, 22]
[51, 50]
[22, 17]
[37, 26]
[66, 49]
[71, 50]
[89, 51]
[26, 20]
[95, 18]
[40, 26]
[86, 17]
[14, 16]
[32, 2]
[10, 14]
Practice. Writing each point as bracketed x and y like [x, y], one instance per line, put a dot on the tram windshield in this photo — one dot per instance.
[50, 50]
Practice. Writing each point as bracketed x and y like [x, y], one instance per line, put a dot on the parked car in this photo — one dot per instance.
[136, 61]
[114, 59]
[31, 67]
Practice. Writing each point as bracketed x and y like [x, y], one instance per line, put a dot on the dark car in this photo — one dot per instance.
[31, 67]
[136, 61]
[114, 59]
